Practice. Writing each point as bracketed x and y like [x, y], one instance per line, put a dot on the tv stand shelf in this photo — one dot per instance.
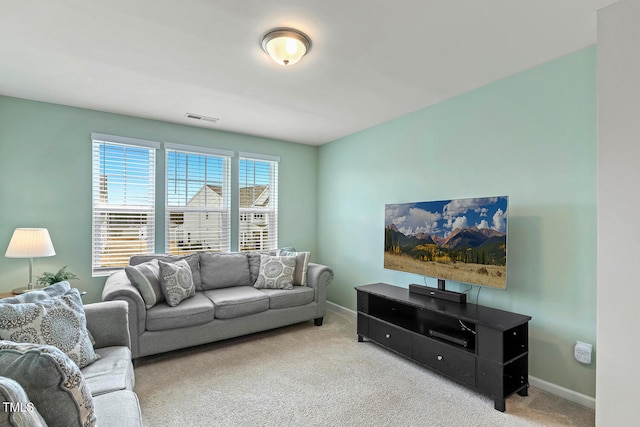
[483, 348]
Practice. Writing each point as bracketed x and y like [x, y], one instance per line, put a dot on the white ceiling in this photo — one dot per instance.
[370, 61]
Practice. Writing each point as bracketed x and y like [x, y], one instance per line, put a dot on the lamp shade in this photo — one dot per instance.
[286, 46]
[30, 243]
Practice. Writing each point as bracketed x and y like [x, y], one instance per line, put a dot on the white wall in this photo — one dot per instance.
[618, 277]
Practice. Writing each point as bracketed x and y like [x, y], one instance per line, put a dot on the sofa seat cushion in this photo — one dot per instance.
[118, 409]
[282, 298]
[192, 311]
[238, 301]
[112, 372]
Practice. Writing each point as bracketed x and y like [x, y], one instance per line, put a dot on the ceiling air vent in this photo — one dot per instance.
[201, 117]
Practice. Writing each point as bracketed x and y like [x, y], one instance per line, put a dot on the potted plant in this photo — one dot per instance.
[50, 278]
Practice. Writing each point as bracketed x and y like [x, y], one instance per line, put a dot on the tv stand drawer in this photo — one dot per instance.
[390, 336]
[457, 364]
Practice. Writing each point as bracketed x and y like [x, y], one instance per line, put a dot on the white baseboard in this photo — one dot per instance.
[339, 307]
[573, 396]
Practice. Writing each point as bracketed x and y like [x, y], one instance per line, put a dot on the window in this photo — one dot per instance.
[258, 188]
[198, 200]
[123, 183]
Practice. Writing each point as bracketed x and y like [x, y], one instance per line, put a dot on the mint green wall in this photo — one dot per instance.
[532, 137]
[45, 180]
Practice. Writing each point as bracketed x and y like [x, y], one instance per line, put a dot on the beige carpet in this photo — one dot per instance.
[305, 375]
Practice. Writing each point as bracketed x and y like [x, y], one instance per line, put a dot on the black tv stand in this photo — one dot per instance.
[480, 347]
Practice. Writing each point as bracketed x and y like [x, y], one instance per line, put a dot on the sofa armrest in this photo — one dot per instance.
[108, 322]
[319, 277]
[118, 287]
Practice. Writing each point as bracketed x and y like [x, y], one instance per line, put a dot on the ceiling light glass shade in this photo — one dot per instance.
[286, 46]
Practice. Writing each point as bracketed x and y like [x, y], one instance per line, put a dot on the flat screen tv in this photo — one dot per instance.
[464, 240]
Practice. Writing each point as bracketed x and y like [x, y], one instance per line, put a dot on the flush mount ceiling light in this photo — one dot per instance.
[285, 45]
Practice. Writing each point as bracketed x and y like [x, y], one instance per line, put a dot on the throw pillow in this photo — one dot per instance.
[276, 272]
[192, 259]
[53, 290]
[176, 281]
[146, 278]
[52, 381]
[57, 321]
[302, 263]
[17, 410]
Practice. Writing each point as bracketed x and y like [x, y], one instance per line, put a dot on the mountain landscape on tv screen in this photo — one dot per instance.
[463, 240]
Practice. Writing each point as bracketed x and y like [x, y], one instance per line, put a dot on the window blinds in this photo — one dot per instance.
[123, 196]
[198, 200]
[258, 199]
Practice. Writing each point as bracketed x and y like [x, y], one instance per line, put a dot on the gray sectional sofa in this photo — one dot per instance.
[225, 304]
[40, 385]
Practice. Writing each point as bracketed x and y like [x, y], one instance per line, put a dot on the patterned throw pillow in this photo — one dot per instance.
[57, 321]
[276, 272]
[176, 281]
[302, 263]
[146, 277]
[47, 292]
[52, 381]
[192, 259]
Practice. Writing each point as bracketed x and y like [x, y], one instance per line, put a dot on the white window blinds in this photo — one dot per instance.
[123, 182]
[198, 200]
[258, 188]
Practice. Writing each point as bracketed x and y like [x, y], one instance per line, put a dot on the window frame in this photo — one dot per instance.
[101, 208]
[224, 211]
[270, 213]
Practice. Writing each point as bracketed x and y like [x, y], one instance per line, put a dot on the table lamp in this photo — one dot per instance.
[29, 243]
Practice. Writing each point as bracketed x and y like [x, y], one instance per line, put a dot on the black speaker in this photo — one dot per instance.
[458, 297]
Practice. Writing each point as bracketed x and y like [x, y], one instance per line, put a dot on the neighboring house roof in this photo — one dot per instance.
[216, 188]
[256, 196]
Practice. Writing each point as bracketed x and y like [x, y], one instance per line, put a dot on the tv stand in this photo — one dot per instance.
[480, 347]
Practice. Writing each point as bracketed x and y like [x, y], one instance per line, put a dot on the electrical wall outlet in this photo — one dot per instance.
[582, 352]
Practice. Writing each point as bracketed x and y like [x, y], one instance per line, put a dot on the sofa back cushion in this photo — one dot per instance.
[52, 381]
[223, 270]
[193, 260]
